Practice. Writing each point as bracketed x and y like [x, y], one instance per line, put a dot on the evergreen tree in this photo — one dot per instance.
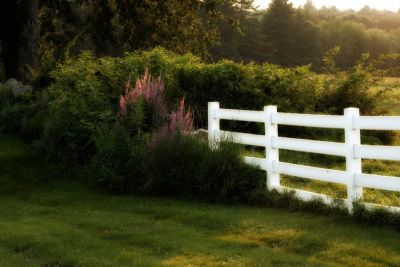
[240, 36]
[290, 37]
[278, 28]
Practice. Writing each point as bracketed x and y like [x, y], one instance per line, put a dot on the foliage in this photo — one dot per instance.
[227, 82]
[187, 26]
[86, 90]
[87, 115]
[185, 167]
[181, 121]
[290, 38]
[79, 104]
[353, 89]
[212, 29]
[117, 163]
[328, 61]
[151, 93]
[387, 65]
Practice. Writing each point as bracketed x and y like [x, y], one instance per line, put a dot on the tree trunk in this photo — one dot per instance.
[28, 39]
[9, 35]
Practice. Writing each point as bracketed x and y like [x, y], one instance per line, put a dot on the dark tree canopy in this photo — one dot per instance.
[181, 26]
[290, 36]
[36, 34]
[55, 27]
[10, 35]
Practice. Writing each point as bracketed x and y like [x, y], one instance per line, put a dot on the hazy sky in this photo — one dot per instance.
[393, 5]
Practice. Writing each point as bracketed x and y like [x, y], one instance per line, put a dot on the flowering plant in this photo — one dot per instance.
[151, 92]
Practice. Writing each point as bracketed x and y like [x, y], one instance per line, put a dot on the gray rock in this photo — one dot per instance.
[12, 83]
[17, 88]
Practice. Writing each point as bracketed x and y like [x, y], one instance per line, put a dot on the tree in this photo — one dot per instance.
[239, 33]
[329, 62]
[350, 36]
[290, 37]
[310, 11]
[28, 38]
[181, 26]
[19, 34]
[9, 36]
[277, 27]
[48, 29]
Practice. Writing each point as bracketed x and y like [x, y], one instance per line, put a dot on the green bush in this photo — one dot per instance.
[234, 85]
[117, 164]
[229, 83]
[79, 104]
[84, 95]
[186, 167]
[352, 89]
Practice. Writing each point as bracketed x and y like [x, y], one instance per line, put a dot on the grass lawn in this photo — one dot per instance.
[45, 221]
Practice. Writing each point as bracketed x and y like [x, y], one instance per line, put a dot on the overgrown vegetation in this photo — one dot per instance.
[185, 167]
[48, 220]
[133, 137]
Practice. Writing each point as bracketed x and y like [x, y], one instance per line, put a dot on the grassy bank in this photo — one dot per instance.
[47, 222]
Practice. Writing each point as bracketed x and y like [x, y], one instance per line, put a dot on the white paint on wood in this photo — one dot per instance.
[351, 122]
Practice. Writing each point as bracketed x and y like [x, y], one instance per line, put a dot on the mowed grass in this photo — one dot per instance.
[48, 221]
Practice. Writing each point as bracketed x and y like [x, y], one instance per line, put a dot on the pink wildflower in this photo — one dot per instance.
[181, 121]
[150, 90]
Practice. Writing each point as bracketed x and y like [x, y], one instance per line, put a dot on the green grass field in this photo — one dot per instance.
[47, 221]
[392, 101]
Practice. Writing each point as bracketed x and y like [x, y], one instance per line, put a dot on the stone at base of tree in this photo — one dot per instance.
[18, 88]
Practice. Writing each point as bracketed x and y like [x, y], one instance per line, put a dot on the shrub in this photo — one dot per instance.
[86, 90]
[118, 162]
[227, 82]
[120, 152]
[184, 166]
[352, 89]
[149, 92]
[234, 85]
[79, 104]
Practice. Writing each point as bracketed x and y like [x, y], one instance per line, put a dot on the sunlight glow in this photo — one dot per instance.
[393, 5]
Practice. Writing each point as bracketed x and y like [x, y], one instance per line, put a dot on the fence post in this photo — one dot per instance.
[213, 125]
[271, 153]
[353, 164]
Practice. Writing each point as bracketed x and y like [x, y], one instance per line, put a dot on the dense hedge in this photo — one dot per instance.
[83, 96]
[234, 85]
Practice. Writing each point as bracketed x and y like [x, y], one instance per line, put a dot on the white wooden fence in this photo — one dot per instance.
[351, 122]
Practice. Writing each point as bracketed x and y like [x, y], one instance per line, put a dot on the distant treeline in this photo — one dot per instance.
[37, 34]
[290, 36]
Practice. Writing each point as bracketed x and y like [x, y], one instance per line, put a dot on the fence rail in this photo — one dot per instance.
[352, 149]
